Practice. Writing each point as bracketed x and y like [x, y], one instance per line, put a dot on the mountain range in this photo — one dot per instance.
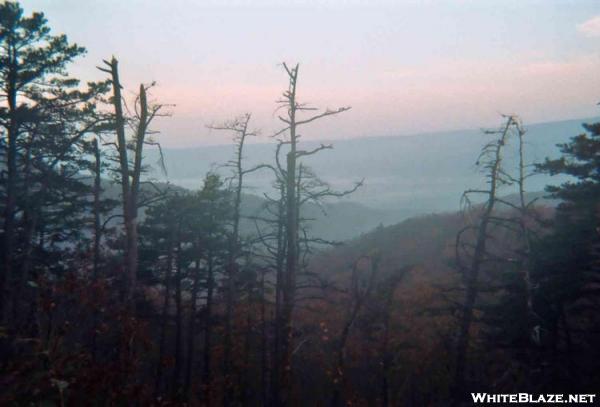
[404, 176]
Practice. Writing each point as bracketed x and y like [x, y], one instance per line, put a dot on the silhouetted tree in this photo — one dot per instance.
[241, 131]
[33, 79]
[292, 122]
[566, 267]
[490, 160]
[130, 175]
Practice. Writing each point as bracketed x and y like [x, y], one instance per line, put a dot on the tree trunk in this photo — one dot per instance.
[291, 260]
[244, 376]
[279, 282]
[358, 299]
[232, 267]
[125, 182]
[207, 368]
[175, 383]
[97, 238]
[97, 224]
[192, 332]
[29, 221]
[11, 198]
[132, 227]
[264, 367]
[526, 236]
[164, 320]
[472, 273]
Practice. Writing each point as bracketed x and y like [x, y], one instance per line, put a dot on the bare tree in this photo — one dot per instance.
[490, 160]
[525, 216]
[130, 178]
[241, 131]
[292, 122]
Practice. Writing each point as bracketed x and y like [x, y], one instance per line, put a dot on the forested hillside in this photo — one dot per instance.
[335, 221]
[118, 288]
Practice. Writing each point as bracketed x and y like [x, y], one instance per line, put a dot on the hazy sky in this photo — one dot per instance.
[404, 66]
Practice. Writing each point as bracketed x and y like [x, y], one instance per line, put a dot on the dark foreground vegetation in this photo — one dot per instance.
[158, 296]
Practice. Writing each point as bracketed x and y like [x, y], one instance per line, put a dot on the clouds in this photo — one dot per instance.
[591, 27]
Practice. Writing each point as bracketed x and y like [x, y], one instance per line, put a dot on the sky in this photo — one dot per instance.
[404, 67]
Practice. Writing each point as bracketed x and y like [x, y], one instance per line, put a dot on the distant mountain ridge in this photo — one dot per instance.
[335, 221]
[412, 175]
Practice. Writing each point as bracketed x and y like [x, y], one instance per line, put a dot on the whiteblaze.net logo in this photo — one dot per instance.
[526, 398]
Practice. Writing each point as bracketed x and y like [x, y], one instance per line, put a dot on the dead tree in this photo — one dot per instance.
[130, 178]
[525, 216]
[279, 230]
[240, 128]
[525, 225]
[490, 160]
[274, 244]
[121, 144]
[292, 122]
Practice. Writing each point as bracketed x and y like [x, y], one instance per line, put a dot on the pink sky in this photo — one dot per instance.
[405, 67]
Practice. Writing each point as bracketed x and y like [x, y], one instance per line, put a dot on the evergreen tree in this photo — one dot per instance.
[46, 118]
[184, 242]
[567, 265]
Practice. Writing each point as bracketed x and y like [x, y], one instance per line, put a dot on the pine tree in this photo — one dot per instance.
[46, 118]
[567, 265]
